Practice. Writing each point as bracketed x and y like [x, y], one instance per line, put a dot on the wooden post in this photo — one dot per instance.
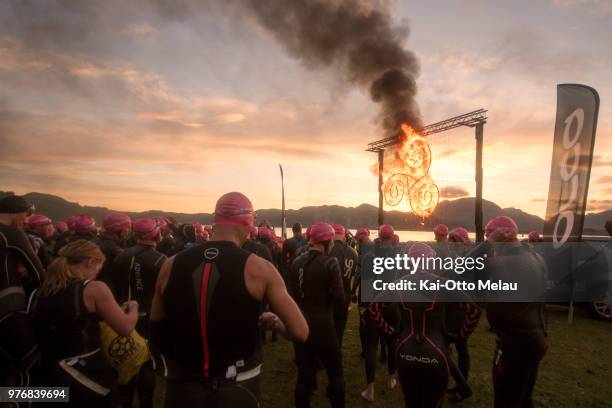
[381, 213]
[478, 216]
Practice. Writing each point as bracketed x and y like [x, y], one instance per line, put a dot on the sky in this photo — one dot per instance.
[167, 105]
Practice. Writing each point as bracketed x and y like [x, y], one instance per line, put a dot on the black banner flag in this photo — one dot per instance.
[575, 127]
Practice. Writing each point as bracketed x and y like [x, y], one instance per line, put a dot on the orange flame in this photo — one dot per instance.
[406, 175]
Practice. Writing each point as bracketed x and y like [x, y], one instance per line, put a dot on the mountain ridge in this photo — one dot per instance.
[454, 213]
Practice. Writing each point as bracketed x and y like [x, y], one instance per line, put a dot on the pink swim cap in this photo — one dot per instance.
[534, 236]
[85, 224]
[321, 232]
[38, 220]
[419, 249]
[501, 228]
[264, 233]
[385, 232]
[71, 222]
[395, 239]
[459, 234]
[146, 228]
[116, 222]
[61, 227]
[339, 229]
[254, 232]
[441, 230]
[234, 209]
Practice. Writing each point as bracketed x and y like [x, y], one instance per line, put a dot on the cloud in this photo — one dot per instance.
[453, 192]
[600, 8]
[600, 161]
[604, 180]
[538, 200]
[599, 205]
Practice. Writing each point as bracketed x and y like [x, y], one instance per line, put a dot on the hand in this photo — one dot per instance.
[269, 321]
[131, 305]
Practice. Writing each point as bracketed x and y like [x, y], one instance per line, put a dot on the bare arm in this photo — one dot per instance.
[264, 281]
[99, 298]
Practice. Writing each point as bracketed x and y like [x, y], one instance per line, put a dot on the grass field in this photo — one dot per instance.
[576, 371]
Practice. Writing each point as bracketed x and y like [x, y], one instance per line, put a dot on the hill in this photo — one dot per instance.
[454, 213]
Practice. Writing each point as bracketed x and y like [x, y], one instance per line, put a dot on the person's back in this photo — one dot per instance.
[291, 246]
[111, 250]
[206, 313]
[228, 314]
[257, 248]
[134, 273]
[315, 284]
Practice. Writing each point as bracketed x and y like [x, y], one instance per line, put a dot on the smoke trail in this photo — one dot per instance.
[359, 41]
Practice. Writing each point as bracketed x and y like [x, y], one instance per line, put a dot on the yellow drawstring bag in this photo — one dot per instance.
[125, 353]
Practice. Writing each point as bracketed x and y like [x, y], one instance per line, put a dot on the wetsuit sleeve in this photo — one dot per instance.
[375, 312]
[336, 286]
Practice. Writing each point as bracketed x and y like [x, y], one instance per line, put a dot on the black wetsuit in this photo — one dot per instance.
[370, 334]
[421, 343]
[290, 248]
[210, 334]
[110, 249]
[133, 277]
[166, 244]
[71, 349]
[522, 338]
[347, 259]
[257, 248]
[41, 248]
[315, 283]
[18, 347]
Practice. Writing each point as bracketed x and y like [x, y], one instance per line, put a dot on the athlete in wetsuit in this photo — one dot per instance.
[291, 246]
[364, 246]
[265, 237]
[206, 310]
[66, 312]
[315, 283]
[116, 227]
[20, 274]
[422, 341]
[522, 338]
[372, 336]
[348, 259]
[134, 273]
[458, 245]
[167, 230]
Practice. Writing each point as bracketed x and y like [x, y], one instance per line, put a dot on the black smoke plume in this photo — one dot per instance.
[357, 39]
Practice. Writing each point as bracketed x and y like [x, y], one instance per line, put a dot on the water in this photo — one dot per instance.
[405, 236]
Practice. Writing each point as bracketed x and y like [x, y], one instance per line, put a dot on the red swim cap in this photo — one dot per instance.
[459, 234]
[385, 232]
[339, 229]
[234, 209]
[534, 236]
[116, 222]
[501, 228]
[395, 239]
[321, 232]
[146, 228]
[441, 230]
[198, 229]
[85, 224]
[254, 232]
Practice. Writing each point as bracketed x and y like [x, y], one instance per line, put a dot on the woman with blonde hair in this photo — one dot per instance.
[66, 312]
